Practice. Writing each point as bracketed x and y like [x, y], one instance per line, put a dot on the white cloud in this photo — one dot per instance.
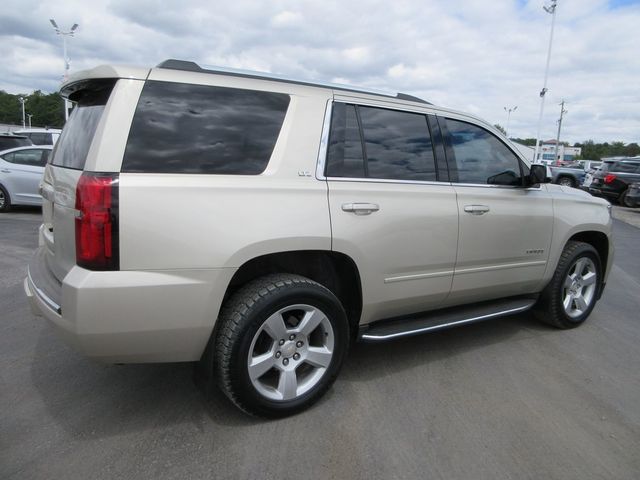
[471, 55]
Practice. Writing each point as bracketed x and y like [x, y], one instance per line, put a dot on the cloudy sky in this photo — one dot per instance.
[474, 55]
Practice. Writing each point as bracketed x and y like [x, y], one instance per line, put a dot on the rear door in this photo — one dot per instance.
[391, 211]
[505, 228]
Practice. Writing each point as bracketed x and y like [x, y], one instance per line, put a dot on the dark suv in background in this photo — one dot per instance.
[612, 180]
[8, 140]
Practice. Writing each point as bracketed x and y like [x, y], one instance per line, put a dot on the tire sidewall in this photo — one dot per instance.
[313, 295]
[583, 251]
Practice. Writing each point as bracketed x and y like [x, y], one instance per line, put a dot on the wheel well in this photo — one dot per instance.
[335, 271]
[597, 240]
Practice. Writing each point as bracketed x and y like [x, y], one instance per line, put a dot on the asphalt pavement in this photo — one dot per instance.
[505, 399]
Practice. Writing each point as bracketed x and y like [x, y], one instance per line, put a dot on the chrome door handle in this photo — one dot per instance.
[360, 208]
[4, 170]
[476, 209]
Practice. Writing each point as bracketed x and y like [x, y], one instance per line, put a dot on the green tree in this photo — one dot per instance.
[47, 110]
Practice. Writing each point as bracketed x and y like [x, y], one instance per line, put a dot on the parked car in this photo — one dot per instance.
[301, 216]
[8, 140]
[21, 171]
[612, 180]
[632, 198]
[571, 175]
[41, 136]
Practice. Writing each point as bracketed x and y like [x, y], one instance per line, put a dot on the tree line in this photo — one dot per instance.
[47, 109]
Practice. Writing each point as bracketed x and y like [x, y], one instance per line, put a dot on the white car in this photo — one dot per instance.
[259, 224]
[21, 171]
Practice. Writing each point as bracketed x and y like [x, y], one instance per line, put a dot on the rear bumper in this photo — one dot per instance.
[131, 316]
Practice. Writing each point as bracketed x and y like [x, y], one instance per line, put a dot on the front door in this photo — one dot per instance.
[505, 228]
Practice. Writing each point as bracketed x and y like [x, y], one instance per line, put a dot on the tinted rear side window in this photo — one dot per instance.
[73, 145]
[345, 157]
[397, 145]
[183, 128]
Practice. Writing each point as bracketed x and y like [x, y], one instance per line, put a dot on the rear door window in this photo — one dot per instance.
[370, 142]
[185, 128]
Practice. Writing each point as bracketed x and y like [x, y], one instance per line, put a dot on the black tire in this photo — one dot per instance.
[550, 308]
[622, 200]
[5, 200]
[243, 318]
[566, 181]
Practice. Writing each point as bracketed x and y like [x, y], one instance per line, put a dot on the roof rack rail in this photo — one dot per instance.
[189, 66]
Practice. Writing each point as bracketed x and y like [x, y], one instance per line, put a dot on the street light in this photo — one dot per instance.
[551, 9]
[68, 33]
[23, 101]
[508, 110]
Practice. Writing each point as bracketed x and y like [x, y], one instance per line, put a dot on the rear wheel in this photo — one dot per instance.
[5, 200]
[280, 344]
[623, 200]
[573, 291]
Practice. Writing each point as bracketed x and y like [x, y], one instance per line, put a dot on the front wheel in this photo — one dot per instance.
[573, 291]
[280, 344]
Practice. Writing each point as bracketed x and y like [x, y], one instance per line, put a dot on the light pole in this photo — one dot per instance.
[68, 33]
[552, 10]
[23, 101]
[508, 110]
[29, 116]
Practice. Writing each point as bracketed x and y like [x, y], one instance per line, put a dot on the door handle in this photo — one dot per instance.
[360, 208]
[4, 170]
[476, 209]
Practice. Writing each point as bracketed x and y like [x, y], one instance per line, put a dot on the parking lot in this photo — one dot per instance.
[503, 399]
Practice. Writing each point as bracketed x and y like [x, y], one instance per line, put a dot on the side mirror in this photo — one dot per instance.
[538, 174]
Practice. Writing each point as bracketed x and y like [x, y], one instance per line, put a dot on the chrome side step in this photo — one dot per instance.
[384, 330]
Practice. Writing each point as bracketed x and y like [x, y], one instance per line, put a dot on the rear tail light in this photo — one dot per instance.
[609, 178]
[97, 221]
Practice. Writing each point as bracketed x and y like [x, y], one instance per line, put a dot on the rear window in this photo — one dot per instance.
[183, 128]
[7, 142]
[625, 167]
[73, 146]
[41, 138]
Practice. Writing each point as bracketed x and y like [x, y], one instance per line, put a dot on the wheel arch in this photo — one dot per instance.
[335, 271]
[597, 240]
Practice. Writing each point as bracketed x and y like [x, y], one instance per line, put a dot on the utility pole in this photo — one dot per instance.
[508, 110]
[64, 35]
[552, 10]
[29, 115]
[562, 112]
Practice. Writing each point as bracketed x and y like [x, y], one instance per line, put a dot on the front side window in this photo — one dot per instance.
[184, 128]
[369, 142]
[480, 157]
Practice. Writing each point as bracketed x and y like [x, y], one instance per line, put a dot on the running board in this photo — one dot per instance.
[384, 330]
